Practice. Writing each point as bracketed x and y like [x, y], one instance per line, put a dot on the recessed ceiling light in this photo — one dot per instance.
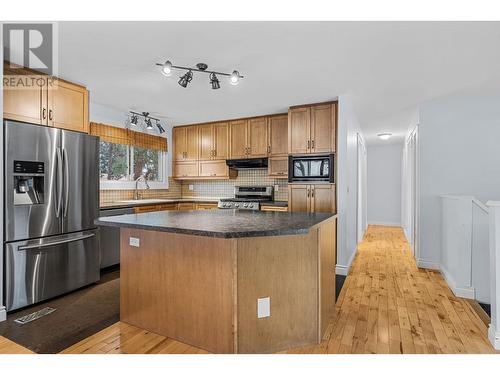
[384, 136]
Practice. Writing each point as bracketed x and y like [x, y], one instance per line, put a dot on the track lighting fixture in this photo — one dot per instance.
[167, 67]
[234, 78]
[186, 78]
[214, 81]
[147, 121]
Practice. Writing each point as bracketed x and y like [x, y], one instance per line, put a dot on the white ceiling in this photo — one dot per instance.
[389, 68]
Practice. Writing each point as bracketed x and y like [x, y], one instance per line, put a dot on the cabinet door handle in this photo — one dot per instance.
[215, 153]
[268, 149]
[308, 193]
[312, 143]
[312, 193]
[44, 113]
[50, 114]
[308, 145]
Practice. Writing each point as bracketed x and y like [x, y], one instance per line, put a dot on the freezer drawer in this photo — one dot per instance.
[36, 270]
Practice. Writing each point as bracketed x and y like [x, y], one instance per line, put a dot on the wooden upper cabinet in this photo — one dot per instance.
[185, 143]
[221, 140]
[179, 142]
[213, 168]
[257, 142]
[278, 135]
[24, 104]
[278, 167]
[299, 127]
[191, 143]
[68, 106]
[323, 198]
[238, 139]
[206, 134]
[323, 128]
[299, 198]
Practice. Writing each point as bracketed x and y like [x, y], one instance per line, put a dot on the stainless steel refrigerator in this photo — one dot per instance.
[51, 199]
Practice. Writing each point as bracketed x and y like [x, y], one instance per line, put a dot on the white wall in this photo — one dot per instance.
[384, 184]
[347, 184]
[459, 154]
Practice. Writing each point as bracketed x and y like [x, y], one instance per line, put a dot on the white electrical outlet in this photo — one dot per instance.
[134, 241]
[191, 187]
[263, 307]
[276, 187]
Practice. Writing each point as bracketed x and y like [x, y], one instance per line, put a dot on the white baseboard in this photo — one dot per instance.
[3, 313]
[494, 337]
[428, 264]
[464, 292]
[385, 223]
[344, 269]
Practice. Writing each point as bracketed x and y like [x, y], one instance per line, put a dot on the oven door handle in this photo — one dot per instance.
[57, 242]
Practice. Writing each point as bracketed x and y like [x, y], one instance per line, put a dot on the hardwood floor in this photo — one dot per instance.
[387, 305]
[10, 347]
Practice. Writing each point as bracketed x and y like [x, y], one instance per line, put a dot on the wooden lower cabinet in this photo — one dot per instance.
[206, 206]
[278, 167]
[274, 208]
[166, 207]
[141, 209]
[185, 169]
[312, 198]
[185, 206]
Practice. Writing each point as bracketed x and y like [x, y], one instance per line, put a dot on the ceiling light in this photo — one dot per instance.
[133, 119]
[235, 77]
[384, 136]
[214, 81]
[149, 125]
[166, 69]
[160, 128]
[186, 78]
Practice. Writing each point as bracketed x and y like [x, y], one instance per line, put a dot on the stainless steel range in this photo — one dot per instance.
[248, 197]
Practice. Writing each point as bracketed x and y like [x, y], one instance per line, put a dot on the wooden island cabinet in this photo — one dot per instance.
[200, 276]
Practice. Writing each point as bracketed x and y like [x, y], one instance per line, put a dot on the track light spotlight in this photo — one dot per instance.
[133, 119]
[214, 81]
[186, 78]
[160, 128]
[235, 77]
[166, 69]
[149, 125]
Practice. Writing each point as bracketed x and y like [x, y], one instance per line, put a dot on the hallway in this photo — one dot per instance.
[388, 305]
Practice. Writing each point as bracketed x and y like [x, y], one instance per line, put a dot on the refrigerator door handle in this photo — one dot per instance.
[66, 182]
[59, 182]
[53, 243]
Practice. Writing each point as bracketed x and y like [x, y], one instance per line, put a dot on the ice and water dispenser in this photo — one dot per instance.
[29, 178]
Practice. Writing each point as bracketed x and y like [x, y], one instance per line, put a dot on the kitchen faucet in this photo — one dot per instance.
[143, 179]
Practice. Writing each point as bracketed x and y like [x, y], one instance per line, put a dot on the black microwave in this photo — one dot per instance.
[317, 168]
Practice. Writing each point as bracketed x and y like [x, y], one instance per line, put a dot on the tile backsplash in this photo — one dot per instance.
[225, 188]
[204, 188]
[173, 191]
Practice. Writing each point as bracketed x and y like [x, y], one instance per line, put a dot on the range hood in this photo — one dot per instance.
[256, 163]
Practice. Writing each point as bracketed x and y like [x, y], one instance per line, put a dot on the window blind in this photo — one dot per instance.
[123, 136]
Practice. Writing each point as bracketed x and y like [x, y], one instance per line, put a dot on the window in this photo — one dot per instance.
[125, 155]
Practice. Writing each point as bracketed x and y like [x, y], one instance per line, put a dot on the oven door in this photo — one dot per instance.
[313, 169]
[36, 270]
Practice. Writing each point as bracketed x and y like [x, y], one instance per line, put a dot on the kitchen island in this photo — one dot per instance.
[228, 281]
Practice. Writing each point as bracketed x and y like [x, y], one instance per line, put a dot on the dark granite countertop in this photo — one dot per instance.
[220, 223]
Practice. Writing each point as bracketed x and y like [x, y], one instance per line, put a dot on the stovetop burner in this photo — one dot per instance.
[248, 197]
